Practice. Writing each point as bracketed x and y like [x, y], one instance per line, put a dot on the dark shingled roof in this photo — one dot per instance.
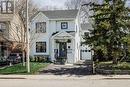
[59, 14]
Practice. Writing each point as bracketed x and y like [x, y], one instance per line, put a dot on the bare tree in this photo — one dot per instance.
[21, 10]
[48, 7]
[74, 4]
[18, 28]
[79, 4]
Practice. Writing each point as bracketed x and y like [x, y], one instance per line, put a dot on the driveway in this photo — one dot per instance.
[79, 70]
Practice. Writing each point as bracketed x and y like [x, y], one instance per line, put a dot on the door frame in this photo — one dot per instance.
[64, 45]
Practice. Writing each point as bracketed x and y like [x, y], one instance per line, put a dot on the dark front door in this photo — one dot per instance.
[63, 50]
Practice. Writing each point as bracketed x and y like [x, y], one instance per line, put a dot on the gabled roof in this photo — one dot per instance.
[69, 32]
[62, 34]
[59, 14]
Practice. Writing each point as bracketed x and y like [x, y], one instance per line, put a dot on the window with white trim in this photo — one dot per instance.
[40, 47]
[41, 27]
[2, 26]
[64, 25]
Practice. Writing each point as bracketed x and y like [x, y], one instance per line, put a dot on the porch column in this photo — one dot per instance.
[52, 50]
[71, 54]
[74, 51]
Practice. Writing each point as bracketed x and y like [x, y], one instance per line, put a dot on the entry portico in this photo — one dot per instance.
[63, 46]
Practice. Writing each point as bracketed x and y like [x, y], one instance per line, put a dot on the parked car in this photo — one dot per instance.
[15, 58]
[3, 61]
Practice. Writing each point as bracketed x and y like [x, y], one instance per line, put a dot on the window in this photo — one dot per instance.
[41, 27]
[86, 33]
[40, 47]
[17, 29]
[2, 26]
[64, 25]
[7, 7]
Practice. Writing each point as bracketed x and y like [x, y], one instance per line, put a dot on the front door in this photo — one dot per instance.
[63, 50]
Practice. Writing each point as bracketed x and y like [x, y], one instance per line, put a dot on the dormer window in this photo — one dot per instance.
[7, 7]
[41, 27]
[64, 25]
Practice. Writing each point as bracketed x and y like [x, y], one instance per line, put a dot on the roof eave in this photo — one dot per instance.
[62, 19]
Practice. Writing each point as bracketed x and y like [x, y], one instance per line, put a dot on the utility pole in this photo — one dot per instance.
[27, 39]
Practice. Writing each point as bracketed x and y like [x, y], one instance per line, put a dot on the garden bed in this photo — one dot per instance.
[109, 68]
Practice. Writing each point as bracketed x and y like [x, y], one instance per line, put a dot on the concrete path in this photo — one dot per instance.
[79, 70]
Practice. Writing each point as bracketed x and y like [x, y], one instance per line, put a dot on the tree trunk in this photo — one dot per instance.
[23, 58]
[115, 61]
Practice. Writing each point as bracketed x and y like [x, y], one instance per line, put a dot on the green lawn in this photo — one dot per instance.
[111, 66]
[19, 69]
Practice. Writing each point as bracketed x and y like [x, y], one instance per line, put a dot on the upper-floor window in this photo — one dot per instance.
[7, 7]
[40, 47]
[2, 26]
[41, 27]
[64, 25]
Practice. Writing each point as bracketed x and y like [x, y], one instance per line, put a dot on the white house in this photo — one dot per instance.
[56, 35]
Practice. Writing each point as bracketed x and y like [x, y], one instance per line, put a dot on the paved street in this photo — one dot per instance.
[64, 81]
[64, 76]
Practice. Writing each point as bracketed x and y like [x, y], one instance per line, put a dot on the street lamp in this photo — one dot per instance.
[27, 39]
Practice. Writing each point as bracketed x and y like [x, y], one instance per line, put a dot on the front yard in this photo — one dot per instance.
[19, 69]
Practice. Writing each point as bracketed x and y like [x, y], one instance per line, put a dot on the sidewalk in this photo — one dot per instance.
[65, 77]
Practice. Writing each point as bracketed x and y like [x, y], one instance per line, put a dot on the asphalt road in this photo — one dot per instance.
[64, 82]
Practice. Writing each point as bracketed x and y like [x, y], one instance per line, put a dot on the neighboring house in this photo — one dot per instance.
[86, 52]
[11, 29]
[56, 35]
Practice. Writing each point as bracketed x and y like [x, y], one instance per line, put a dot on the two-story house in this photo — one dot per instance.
[55, 34]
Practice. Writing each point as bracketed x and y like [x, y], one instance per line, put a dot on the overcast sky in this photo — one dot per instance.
[42, 3]
[57, 3]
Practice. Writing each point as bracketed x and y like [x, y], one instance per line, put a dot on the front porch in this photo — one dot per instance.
[5, 48]
[63, 48]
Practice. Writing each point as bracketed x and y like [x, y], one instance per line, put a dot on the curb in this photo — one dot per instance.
[65, 77]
